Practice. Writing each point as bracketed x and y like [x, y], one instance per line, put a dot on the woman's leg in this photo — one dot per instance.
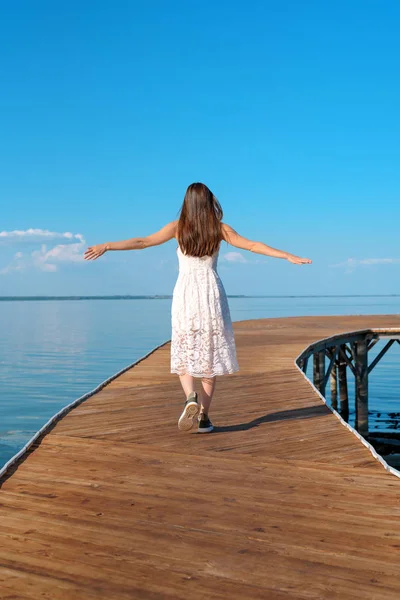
[187, 382]
[208, 388]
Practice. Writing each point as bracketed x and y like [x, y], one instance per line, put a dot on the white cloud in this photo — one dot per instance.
[234, 257]
[44, 259]
[37, 235]
[351, 263]
[379, 261]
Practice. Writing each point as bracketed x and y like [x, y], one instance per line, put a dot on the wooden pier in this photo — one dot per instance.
[348, 349]
[281, 501]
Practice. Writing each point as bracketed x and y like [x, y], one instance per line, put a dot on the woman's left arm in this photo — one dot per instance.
[165, 234]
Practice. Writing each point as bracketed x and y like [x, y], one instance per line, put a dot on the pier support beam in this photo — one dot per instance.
[333, 380]
[361, 365]
[348, 350]
[319, 371]
[343, 393]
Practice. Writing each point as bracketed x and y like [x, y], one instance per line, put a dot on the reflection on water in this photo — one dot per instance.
[52, 352]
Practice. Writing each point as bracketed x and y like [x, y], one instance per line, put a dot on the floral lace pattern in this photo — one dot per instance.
[202, 344]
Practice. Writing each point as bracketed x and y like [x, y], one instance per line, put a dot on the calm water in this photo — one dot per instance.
[52, 352]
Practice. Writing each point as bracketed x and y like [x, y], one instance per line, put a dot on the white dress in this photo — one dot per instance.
[202, 344]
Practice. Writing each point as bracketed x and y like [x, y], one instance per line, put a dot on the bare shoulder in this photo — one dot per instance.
[232, 237]
[225, 227]
[171, 228]
[174, 227]
[166, 233]
[227, 231]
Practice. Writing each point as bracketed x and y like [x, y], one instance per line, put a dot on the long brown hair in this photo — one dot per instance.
[199, 225]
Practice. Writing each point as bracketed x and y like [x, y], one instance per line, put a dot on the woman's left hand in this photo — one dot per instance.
[94, 252]
[296, 260]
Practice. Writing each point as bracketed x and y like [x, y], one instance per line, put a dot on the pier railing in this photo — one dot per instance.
[332, 358]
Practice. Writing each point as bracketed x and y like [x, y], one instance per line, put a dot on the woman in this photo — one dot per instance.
[202, 343]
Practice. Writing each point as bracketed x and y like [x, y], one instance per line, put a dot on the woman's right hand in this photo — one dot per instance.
[94, 252]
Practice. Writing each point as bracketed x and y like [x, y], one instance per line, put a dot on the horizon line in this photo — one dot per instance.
[27, 298]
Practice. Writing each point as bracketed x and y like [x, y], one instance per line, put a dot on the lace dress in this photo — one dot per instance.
[202, 344]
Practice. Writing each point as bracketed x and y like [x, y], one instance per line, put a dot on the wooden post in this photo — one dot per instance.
[343, 394]
[333, 380]
[315, 370]
[319, 371]
[361, 364]
[322, 371]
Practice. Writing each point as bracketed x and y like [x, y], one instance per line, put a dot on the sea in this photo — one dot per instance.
[54, 350]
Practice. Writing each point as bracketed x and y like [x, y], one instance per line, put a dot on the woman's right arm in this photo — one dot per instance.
[232, 237]
[165, 234]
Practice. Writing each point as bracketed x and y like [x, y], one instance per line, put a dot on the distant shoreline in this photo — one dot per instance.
[169, 297]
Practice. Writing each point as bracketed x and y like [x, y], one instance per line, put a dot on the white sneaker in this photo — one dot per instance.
[190, 412]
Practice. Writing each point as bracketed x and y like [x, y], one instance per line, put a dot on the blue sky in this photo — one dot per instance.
[287, 110]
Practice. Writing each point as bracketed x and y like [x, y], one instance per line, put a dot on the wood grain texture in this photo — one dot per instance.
[280, 502]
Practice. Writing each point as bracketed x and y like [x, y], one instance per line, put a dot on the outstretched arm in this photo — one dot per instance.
[155, 239]
[232, 237]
